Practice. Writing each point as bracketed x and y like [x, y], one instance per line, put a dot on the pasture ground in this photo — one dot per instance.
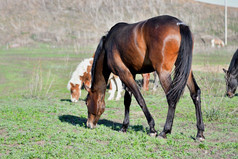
[38, 121]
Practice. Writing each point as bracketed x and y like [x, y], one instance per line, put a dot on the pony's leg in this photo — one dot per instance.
[113, 90]
[127, 78]
[127, 103]
[156, 81]
[146, 80]
[119, 87]
[195, 93]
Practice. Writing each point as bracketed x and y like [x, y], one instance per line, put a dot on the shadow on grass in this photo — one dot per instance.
[69, 100]
[65, 100]
[74, 120]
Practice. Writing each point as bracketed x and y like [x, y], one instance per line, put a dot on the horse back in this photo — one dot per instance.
[144, 45]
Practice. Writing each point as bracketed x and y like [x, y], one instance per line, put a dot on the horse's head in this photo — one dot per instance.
[231, 83]
[75, 91]
[96, 106]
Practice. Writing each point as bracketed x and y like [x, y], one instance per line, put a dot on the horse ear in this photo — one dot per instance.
[87, 88]
[225, 70]
[71, 84]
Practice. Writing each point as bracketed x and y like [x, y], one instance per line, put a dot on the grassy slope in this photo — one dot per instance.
[35, 123]
[80, 23]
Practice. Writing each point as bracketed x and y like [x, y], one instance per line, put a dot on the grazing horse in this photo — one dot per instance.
[217, 42]
[156, 44]
[231, 76]
[82, 75]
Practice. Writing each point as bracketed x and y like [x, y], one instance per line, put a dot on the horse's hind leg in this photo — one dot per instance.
[165, 80]
[195, 93]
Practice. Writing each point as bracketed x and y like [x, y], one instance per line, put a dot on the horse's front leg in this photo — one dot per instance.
[128, 79]
[127, 103]
[165, 80]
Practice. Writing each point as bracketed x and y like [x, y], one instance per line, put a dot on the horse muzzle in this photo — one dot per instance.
[230, 95]
[92, 120]
[91, 125]
[74, 100]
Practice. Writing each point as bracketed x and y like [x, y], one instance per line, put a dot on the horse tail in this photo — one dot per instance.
[182, 65]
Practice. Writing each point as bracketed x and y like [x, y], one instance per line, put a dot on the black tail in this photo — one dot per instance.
[99, 50]
[182, 65]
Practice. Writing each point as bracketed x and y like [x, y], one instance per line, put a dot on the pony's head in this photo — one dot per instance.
[231, 83]
[96, 106]
[75, 90]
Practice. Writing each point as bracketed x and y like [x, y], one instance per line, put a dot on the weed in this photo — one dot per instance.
[39, 86]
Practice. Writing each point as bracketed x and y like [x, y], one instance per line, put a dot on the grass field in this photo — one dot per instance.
[38, 121]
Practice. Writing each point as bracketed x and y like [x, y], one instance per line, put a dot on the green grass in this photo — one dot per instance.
[42, 123]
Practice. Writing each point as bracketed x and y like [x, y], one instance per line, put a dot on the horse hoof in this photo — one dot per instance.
[200, 139]
[122, 130]
[162, 135]
[153, 134]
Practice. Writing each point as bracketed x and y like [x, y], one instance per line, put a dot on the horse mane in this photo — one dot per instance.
[99, 49]
[81, 68]
[233, 68]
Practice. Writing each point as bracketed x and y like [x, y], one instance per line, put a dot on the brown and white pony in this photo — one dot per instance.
[217, 42]
[82, 76]
[156, 44]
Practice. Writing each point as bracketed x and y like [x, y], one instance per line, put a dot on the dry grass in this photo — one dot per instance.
[82, 22]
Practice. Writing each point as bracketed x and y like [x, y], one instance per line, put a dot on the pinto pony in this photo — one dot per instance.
[82, 76]
[156, 44]
[217, 42]
[231, 76]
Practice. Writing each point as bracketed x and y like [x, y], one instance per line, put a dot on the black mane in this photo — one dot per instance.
[233, 68]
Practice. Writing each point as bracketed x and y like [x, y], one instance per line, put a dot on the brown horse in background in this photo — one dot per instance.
[156, 44]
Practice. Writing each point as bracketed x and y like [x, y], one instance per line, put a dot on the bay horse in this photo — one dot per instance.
[156, 44]
[82, 76]
[231, 76]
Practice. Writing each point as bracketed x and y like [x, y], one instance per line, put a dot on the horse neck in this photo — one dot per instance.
[101, 75]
